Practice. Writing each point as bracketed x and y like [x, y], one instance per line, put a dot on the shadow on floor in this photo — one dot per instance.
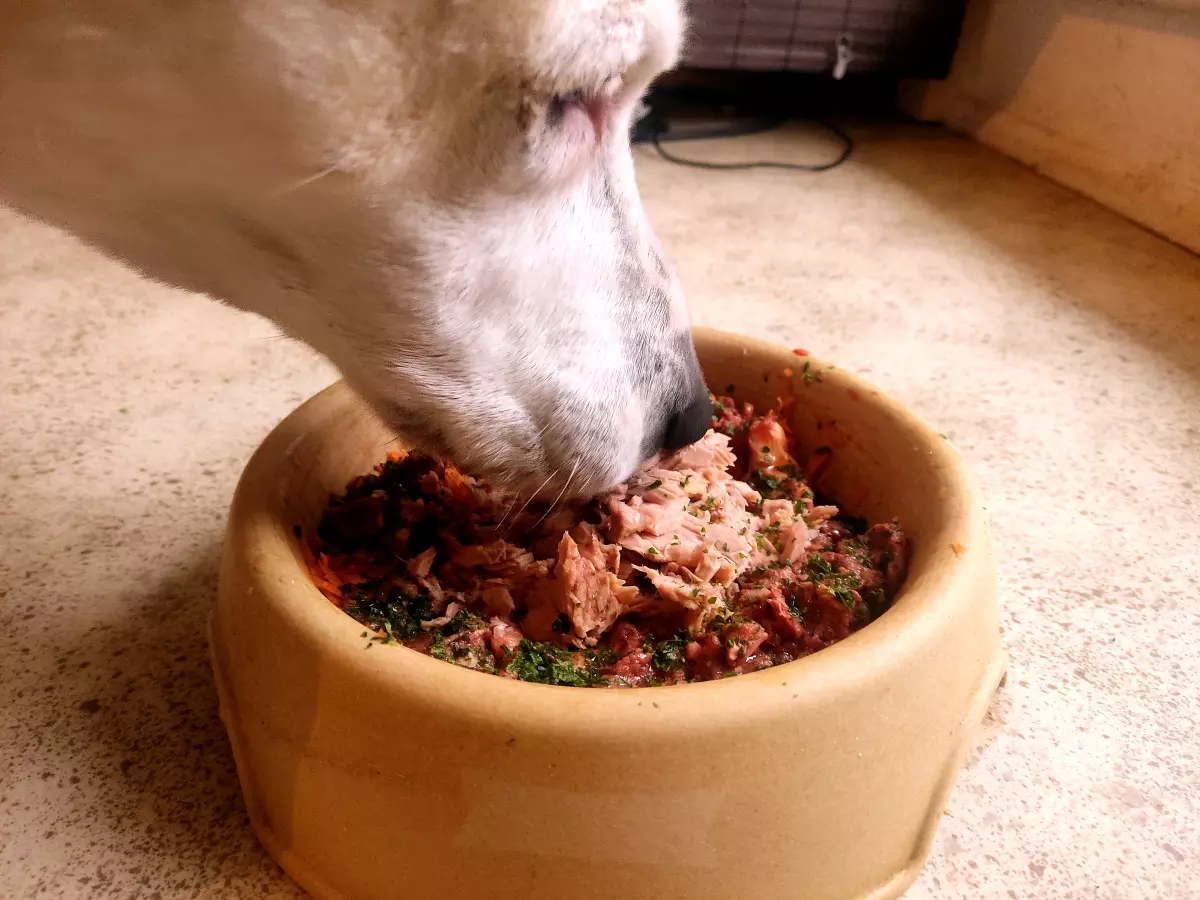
[155, 757]
[1093, 259]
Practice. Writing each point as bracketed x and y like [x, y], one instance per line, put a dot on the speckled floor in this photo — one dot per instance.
[1056, 343]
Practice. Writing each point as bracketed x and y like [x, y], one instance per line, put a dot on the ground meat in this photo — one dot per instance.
[713, 561]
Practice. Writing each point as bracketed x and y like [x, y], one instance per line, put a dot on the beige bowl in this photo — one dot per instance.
[373, 773]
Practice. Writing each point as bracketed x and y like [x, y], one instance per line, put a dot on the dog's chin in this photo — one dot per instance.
[509, 472]
[561, 484]
[561, 470]
[580, 476]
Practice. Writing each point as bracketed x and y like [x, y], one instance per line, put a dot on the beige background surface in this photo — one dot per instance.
[1102, 95]
[1056, 343]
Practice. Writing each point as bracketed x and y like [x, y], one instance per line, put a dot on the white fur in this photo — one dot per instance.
[437, 194]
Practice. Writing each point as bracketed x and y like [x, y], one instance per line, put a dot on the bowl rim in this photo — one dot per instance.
[938, 573]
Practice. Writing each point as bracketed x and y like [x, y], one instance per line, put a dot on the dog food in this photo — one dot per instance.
[713, 561]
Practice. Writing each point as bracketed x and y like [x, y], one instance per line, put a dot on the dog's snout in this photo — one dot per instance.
[689, 425]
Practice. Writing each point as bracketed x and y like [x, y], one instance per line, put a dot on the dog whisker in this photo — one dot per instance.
[504, 518]
[304, 182]
[554, 504]
[535, 492]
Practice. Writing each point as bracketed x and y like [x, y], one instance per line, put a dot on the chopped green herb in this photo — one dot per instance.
[394, 612]
[841, 585]
[654, 485]
[438, 647]
[668, 655]
[547, 664]
[464, 619]
[763, 483]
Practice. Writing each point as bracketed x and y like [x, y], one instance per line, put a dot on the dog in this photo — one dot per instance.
[438, 195]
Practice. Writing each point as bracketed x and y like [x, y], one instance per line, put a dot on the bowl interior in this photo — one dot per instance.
[883, 463]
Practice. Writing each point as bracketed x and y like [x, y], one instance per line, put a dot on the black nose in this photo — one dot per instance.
[689, 426]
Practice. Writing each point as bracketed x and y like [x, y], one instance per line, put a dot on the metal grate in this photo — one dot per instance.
[909, 38]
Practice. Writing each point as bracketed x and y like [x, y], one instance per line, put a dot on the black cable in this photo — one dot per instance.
[654, 128]
[658, 136]
[658, 129]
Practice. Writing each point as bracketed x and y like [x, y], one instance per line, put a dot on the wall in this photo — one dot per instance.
[1101, 95]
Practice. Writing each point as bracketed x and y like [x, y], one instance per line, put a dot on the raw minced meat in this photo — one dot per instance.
[712, 561]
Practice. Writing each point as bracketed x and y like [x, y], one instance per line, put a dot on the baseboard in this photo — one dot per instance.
[1165, 204]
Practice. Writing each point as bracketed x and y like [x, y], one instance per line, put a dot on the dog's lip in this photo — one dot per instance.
[601, 104]
[596, 104]
[598, 114]
[580, 108]
[411, 429]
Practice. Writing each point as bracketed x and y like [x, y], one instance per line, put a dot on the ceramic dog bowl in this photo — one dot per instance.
[385, 773]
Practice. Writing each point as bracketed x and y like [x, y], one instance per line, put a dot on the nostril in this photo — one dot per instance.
[689, 426]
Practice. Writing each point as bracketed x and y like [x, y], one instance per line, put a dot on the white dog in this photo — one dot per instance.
[437, 194]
